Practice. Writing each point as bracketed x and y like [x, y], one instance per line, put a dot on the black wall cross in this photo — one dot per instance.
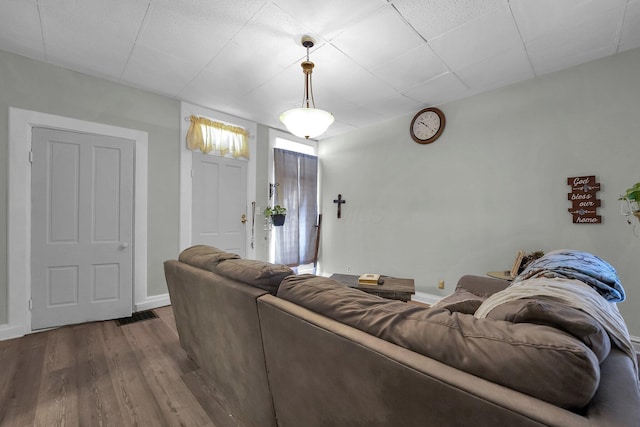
[339, 201]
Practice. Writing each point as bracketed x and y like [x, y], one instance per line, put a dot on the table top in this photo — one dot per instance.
[391, 284]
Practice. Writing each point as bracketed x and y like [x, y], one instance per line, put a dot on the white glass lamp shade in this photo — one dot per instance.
[307, 122]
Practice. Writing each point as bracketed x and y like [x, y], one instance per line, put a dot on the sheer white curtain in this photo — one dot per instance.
[297, 176]
[219, 138]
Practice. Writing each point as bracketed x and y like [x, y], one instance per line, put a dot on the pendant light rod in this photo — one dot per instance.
[307, 69]
[307, 121]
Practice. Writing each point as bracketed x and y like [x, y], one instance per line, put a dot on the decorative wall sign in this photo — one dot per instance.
[584, 200]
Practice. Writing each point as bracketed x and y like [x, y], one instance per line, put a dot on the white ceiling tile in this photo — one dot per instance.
[438, 90]
[195, 30]
[263, 48]
[329, 17]
[482, 38]
[501, 70]
[377, 39]
[575, 45]
[541, 17]
[108, 33]
[279, 94]
[358, 86]
[350, 113]
[630, 36]
[20, 28]
[150, 69]
[395, 105]
[435, 17]
[337, 128]
[415, 66]
[270, 38]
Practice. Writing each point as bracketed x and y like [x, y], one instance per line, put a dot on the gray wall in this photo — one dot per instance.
[495, 182]
[33, 85]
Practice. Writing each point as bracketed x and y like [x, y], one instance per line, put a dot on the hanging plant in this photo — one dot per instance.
[276, 215]
[632, 198]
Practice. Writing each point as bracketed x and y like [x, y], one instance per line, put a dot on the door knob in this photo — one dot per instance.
[124, 246]
[244, 218]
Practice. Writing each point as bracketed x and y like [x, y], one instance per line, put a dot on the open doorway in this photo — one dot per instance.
[294, 182]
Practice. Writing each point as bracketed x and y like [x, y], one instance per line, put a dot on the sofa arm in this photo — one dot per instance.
[481, 285]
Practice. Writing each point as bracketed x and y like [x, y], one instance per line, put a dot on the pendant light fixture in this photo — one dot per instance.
[307, 121]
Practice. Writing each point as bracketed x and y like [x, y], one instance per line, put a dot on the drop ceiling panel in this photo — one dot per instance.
[328, 18]
[503, 69]
[108, 33]
[395, 105]
[435, 17]
[20, 28]
[542, 17]
[478, 40]
[438, 90]
[359, 86]
[575, 45]
[415, 66]
[195, 30]
[149, 69]
[377, 38]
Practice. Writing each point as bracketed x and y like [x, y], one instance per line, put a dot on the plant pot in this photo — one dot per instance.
[278, 220]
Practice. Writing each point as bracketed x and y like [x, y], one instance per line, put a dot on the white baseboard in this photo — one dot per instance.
[152, 302]
[8, 332]
[426, 298]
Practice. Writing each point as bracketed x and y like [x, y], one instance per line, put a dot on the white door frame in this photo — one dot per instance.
[186, 165]
[21, 123]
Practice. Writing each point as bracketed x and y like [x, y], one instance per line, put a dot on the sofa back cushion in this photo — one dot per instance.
[553, 313]
[538, 360]
[256, 273]
[205, 257]
[259, 274]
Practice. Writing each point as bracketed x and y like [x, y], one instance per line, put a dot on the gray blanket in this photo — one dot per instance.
[577, 265]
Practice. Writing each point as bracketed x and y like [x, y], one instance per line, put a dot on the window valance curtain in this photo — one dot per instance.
[207, 136]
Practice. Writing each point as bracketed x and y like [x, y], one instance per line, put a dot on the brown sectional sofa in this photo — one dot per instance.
[287, 350]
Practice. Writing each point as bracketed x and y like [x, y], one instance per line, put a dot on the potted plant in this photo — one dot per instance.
[276, 214]
[632, 198]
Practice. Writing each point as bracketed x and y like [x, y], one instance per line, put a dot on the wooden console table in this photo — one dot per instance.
[392, 288]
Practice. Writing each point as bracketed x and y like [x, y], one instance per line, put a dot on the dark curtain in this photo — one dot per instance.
[297, 176]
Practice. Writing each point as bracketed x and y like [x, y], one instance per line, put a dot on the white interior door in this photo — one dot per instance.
[81, 227]
[219, 203]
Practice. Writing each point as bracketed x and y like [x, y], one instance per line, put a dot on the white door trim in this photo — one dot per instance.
[21, 123]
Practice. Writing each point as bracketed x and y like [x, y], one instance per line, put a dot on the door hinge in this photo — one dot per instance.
[30, 156]
[30, 304]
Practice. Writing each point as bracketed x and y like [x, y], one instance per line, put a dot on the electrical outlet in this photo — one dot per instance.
[440, 284]
[348, 269]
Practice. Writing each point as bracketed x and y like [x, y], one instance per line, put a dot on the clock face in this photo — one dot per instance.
[427, 125]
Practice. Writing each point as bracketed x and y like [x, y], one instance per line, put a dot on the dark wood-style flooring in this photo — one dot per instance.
[101, 374]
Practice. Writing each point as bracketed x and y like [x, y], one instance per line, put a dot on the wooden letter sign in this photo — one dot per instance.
[584, 200]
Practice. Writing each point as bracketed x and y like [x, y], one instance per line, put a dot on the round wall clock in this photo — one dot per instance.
[427, 125]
